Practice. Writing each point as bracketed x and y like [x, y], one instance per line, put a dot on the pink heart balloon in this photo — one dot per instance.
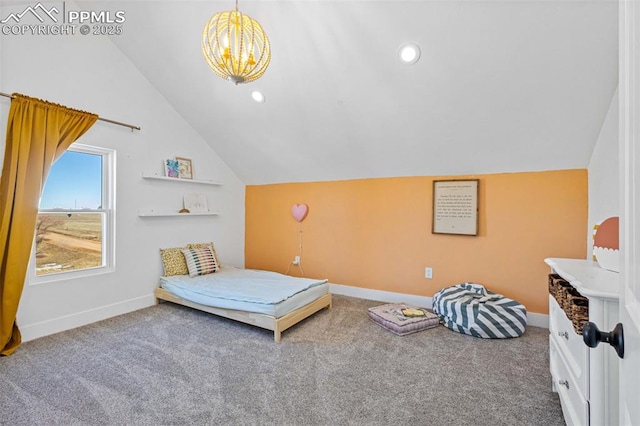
[299, 211]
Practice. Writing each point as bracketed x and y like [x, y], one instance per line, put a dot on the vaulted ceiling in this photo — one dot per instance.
[501, 86]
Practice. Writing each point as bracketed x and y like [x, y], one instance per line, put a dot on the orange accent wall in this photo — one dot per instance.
[376, 233]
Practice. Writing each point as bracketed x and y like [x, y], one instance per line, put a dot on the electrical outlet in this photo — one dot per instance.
[428, 273]
[296, 260]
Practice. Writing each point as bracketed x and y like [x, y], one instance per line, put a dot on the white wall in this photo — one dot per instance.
[89, 73]
[603, 173]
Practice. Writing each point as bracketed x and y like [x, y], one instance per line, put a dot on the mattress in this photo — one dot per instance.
[248, 290]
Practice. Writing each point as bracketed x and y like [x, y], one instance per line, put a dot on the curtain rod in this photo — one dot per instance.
[131, 126]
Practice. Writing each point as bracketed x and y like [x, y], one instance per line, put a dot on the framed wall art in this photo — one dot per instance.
[185, 168]
[455, 207]
[196, 203]
[171, 168]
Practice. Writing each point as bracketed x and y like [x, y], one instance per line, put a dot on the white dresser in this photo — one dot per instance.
[585, 379]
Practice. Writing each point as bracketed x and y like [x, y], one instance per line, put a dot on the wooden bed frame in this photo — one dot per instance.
[278, 325]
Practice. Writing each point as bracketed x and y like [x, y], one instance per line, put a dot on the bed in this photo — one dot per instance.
[264, 299]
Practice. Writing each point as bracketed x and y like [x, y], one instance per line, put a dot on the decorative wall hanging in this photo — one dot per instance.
[455, 207]
[606, 244]
[299, 211]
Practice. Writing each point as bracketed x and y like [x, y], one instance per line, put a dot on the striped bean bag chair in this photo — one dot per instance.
[472, 309]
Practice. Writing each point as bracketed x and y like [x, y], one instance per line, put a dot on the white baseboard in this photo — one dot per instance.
[533, 319]
[67, 322]
[382, 296]
[538, 320]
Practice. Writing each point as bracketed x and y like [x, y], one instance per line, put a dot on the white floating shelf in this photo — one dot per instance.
[158, 213]
[158, 176]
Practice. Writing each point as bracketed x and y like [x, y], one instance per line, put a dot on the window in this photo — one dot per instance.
[74, 233]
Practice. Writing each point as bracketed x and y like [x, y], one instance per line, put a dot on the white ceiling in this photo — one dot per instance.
[501, 86]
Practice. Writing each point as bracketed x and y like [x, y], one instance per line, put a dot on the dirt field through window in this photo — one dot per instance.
[66, 243]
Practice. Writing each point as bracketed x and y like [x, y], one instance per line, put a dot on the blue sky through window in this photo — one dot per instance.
[74, 182]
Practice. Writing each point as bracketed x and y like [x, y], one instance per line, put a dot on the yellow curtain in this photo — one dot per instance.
[38, 133]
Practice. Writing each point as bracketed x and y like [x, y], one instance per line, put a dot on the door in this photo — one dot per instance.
[629, 91]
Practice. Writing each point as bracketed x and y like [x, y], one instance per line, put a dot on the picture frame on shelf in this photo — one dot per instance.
[185, 168]
[171, 168]
[196, 203]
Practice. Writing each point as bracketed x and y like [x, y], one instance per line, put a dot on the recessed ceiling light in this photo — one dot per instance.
[409, 53]
[258, 97]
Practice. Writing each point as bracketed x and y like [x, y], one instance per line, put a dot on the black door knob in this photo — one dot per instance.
[592, 336]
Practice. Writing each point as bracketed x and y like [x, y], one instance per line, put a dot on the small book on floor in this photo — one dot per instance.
[412, 312]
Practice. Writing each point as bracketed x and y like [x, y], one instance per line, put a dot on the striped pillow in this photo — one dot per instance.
[200, 261]
[203, 245]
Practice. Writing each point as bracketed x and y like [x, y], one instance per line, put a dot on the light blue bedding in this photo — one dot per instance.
[241, 285]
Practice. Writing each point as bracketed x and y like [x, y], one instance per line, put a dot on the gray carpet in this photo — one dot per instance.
[173, 365]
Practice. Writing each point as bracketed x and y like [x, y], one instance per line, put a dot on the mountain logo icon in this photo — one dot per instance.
[38, 11]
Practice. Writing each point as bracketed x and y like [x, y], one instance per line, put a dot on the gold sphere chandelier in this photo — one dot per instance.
[235, 46]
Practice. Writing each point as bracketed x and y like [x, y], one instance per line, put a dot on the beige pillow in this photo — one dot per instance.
[173, 261]
[203, 245]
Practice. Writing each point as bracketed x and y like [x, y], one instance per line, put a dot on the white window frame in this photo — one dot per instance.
[108, 227]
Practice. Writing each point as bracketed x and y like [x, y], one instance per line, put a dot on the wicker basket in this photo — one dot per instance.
[579, 312]
[569, 294]
[574, 305]
[563, 290]
[554, 284]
